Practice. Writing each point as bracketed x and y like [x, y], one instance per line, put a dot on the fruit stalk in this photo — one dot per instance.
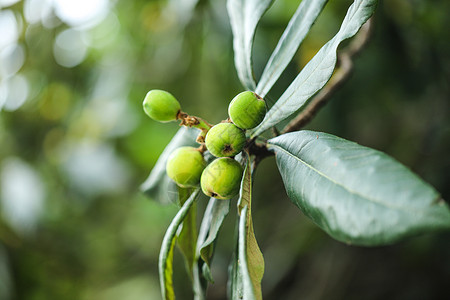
[196, 122]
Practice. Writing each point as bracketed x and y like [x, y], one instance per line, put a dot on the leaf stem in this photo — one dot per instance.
[341, 75]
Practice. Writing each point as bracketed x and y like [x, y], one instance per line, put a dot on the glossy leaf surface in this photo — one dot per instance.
[356, 194]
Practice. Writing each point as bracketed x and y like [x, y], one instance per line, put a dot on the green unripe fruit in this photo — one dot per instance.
[185, 166]
[161, 106]
[222, 178]
[247, 110]
[225, 139]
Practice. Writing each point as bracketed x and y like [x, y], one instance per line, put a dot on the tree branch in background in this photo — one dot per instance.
[343, 72]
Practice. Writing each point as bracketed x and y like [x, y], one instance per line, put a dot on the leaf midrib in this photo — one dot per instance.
[375, 201]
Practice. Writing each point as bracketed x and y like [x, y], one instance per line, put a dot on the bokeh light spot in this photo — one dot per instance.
[9, 28]
[17, 92]
[69, 48]
[11, 60]
[85, 13]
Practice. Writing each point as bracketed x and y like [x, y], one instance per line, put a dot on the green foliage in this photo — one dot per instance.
[75, 146]
[249, 255]
[290, 41]
[356, 194]
[244, 17]
[319, 70]
[188, 235]
[166, 254]
[215, 214]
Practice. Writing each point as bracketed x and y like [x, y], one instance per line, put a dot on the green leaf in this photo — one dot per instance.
[215, 213]
[250, 256]
[319, 69]
[251, 288]
[188, 236]
[356, 194]
[165, 265]
[158, 185]
[235, 283]
[244, 17]
[199, 285]
[290, 41]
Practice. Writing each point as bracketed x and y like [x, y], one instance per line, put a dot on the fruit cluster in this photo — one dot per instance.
[186, 165]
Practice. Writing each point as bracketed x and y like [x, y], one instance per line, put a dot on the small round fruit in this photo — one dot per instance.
[161, 106]
[225, 139]
[222, 178]
[185, 166]
[247, 110]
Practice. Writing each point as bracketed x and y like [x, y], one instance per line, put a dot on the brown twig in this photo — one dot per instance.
[341, 75]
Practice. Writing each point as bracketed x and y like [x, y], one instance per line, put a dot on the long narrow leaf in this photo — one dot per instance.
[249, 253]
[290, 41]
[158, 185]
[248, 288]
[244, 17]
[166, 254]
[188, 235]
[356, 194]
[235, 285]
[319, 69]
[199, 284]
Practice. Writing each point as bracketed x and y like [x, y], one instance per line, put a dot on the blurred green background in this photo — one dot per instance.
[75, 145]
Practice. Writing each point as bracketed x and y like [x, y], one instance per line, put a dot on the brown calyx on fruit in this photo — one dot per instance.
[228, 148]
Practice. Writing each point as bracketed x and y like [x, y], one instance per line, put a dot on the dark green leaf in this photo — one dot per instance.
[165, 264]
[188, 236]
[244, 17]
[356, 194]
[319, 70]
[290, 41]
[158, 185]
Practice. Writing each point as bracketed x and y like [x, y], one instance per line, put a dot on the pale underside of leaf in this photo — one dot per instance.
[356, 194]
[249, 254]
[319, 69]
[244, 17]
[290, 41]
[235, 285]
[165, 263]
